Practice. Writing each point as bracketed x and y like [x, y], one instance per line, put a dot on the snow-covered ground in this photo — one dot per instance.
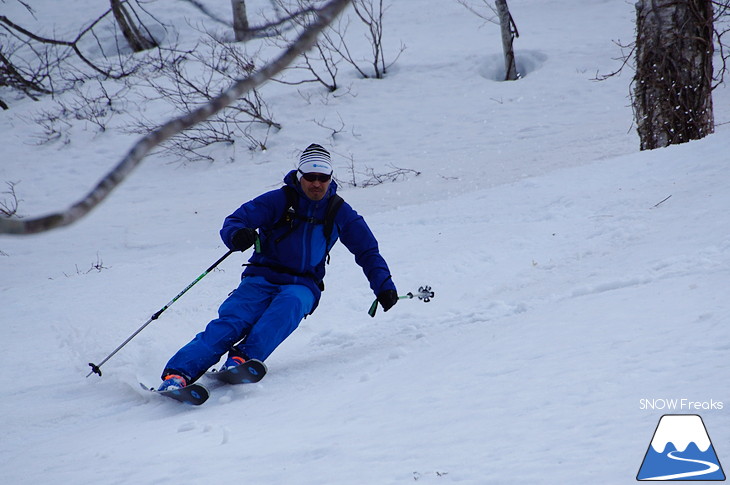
[576, 278]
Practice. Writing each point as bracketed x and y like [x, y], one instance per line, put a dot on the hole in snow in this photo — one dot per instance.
[527, 61]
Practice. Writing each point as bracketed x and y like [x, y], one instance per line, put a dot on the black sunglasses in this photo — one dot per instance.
[311, 177]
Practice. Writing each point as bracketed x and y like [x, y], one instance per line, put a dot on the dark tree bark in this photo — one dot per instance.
[672, 96]
[135, 38]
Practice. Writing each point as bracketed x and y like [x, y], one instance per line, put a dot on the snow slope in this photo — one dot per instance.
[574, 278]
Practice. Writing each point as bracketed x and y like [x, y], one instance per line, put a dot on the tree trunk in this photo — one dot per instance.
[136, 40]
[508, 36]
[672, 97]
[240, 20]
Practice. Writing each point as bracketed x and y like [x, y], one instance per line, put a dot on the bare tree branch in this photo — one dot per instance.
[9, 207]
[306, 39]
[11, 26]
[481, 14]
[269, 29]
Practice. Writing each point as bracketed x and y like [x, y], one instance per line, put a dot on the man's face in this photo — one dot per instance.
[314, 185]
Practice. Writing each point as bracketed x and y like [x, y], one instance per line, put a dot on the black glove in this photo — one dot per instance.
[244, 239]
[387, 299]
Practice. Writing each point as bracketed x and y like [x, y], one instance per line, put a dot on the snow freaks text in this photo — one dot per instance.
[679, 404]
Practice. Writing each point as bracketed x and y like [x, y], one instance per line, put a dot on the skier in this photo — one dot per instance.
[293, 230]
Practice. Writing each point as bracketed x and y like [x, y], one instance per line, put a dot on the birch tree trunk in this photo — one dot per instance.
[136, 40]
[672, 97]
[240, 20]
[508, 35]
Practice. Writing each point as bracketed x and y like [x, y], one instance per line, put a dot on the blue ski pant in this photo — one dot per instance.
[260, 313]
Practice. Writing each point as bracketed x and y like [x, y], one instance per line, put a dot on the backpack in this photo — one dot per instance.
[290, 216]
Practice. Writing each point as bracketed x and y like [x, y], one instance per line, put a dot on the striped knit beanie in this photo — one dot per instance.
[314, 159]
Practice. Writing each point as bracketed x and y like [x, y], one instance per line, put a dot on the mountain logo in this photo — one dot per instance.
[680, 450]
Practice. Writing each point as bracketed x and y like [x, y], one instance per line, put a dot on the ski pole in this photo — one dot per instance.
[95, 369]
[424, 293]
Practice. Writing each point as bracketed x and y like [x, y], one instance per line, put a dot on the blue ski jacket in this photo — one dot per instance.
[296, 254]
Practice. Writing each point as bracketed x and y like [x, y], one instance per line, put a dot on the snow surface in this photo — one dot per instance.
[579, 283]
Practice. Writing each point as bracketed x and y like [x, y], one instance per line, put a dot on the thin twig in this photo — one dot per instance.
[662, 201]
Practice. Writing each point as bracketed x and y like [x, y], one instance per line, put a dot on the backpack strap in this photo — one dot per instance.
[333, 206]
[290, 211]
[289, 216]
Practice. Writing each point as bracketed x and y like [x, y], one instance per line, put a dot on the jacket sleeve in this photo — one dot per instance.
[360, 241]
[262, 211]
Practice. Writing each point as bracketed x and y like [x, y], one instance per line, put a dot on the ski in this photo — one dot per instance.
[194, 394]
[247, 373]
